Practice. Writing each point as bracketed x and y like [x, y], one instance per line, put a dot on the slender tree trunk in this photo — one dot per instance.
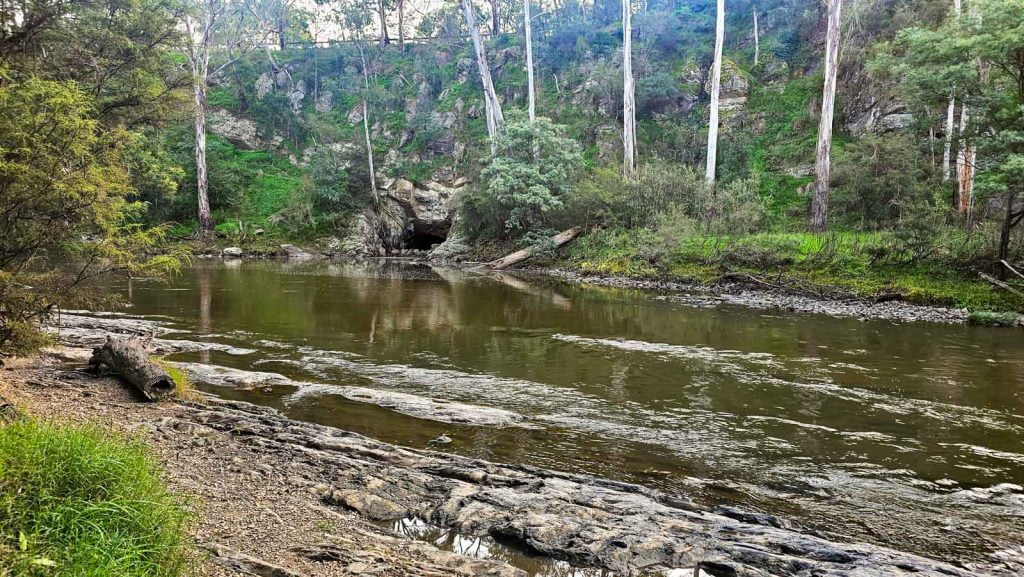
[202, 184]
[384, 38]
[529, 60]
[1005, 230]
[495, 18]
[965, 167]
[950, 117]
[716, 85]
[282, 40]
[628, 95]
[492, 105]
[757, 41]
[950, 127]
[366, 130]
[823, 156]
[401, 24]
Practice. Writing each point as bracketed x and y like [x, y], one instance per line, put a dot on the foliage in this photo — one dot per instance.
[982, 55]
[67, 217]
[529, 175]
[877, 179]
[81, 501]
[666, 191]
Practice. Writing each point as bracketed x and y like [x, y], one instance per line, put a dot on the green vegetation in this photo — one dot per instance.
[84, 502]
[184, 388]
[866, 265]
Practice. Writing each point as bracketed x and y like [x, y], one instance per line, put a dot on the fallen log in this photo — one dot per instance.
[1001, 284]
[128, 358]
[558, 241]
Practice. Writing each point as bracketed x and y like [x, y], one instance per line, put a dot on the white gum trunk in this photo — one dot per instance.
[529, 60]
[757, 41]
[716, 85]
[823, 155]
[628, 95]
[950, 117]
[202, 182]
[492, 106]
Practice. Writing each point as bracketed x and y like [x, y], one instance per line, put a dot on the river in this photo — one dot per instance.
[907, 435]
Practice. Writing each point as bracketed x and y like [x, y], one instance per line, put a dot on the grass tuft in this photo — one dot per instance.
[85, 502]
[184, 389]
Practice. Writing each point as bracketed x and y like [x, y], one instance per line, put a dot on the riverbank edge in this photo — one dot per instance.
[246, 463]
[738, 291]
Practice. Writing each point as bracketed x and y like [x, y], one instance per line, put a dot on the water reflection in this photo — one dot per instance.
[856, 429]
[488, 548]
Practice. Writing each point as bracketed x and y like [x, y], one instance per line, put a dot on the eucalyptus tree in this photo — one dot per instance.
[823, 152]
[628, 95]
[212, 25]
[528, 27]
[716, 86]
[950, 116]
[492, 106]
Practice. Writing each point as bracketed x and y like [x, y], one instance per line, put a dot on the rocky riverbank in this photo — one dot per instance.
[750, 294]
[285, 498]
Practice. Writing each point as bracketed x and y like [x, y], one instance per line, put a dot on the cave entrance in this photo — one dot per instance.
[425, 234]
[423, 240]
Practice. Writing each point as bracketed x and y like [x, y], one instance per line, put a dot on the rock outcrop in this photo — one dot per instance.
[586, 521]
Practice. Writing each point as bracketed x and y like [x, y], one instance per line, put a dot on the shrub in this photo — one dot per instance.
[664, 194]
[529, 175]
[81, 501]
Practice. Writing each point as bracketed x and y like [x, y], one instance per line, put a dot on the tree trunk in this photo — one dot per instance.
[495, 18]
[282, 40]
[950, 118]
[823, 156]
[401, 25]
[716, 85]
[492, 105]
[558, 241]
[202, 183]
[965, 167]
[384, 38]
[950, 126]
[757, 41]
[128, 358]
[529, 60]
[628, 95]
[366, 129]
[1004, 232]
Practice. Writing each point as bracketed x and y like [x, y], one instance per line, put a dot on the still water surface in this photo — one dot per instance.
[898, 434]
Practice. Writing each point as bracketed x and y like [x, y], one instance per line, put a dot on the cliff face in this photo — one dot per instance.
[427, 129]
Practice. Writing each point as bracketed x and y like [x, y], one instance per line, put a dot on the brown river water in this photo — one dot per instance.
[907, 435]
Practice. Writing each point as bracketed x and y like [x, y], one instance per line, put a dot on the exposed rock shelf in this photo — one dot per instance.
[587, 521]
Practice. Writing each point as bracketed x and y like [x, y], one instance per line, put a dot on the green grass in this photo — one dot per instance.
[184, 389]
[844, 262]
[85, 502]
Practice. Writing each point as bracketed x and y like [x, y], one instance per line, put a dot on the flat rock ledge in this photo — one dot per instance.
[586, 521]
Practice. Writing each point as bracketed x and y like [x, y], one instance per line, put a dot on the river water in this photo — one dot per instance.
[906, 435]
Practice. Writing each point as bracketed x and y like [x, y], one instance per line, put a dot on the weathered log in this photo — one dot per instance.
[128, 358]
[558, 241]
[1001, 284]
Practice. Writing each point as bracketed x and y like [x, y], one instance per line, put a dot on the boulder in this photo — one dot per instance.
[234, 251]
[241, 132]
[292, 251]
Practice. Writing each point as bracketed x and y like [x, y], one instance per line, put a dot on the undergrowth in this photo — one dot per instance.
[84, 502]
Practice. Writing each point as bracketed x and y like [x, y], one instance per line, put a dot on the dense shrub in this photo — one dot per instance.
[531, 172]
[666, 195]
